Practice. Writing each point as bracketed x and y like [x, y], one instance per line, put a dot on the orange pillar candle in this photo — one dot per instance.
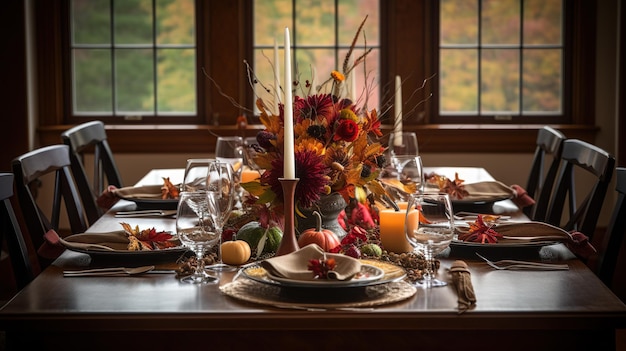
[392, 234]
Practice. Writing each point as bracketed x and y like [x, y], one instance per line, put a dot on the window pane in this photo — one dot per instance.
[458, 81]
[500, 81]
[315, 23]
[542, 81]
[351, 14]
[263, 80]
[134, 81]
[91, 22]
[542, 22]
[367, 78]
[320, 60]
[500, 22]
[459, 21]
[270, 20]
[175, 22]
[176, 79]
[133, 21]
[318, 42]
[92, 80]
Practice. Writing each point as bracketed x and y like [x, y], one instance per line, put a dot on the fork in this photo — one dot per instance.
[145, 213]
[523, 265]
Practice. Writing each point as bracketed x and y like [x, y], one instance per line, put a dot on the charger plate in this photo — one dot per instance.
[304, 298]
[372, 273]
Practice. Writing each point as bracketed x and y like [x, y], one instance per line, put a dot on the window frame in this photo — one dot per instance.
[407, 33]
[132, 118]
[520, 118]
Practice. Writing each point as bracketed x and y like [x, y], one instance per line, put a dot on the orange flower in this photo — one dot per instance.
[337, 76]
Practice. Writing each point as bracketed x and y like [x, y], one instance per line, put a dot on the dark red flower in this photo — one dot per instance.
[314, 107]
[312, 175]
[347, 130]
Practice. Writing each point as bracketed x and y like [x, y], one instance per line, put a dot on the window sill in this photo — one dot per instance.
[440, 138]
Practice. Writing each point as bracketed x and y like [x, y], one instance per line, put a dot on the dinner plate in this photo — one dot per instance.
[462, 249]
[147, 197]
[149, 256]
[480, 202]
[524, 238]
[154, 204]
[370, 275]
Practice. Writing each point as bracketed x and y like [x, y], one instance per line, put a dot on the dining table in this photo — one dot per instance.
[514, 310]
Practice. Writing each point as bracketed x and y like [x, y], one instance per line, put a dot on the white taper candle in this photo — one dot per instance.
[397, 125]
[289, 170]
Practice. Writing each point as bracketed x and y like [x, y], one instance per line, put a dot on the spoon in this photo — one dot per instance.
[117, 271]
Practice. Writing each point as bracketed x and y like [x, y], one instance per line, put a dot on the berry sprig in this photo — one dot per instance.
[321, 267]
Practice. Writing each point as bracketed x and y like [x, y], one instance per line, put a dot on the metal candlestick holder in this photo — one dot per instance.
[289, 243]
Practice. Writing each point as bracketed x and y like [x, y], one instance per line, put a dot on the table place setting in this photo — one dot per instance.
[163, 196]
[312, 278]
[127, 245]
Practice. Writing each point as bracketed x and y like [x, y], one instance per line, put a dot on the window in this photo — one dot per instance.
[207, 47]
[321, 33]
[133, 58]
[501, 59]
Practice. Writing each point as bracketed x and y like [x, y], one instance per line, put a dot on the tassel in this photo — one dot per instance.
[461, 278]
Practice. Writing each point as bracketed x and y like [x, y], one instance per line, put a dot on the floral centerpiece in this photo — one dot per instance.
[336, 144]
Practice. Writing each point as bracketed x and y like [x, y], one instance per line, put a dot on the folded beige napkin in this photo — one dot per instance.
[116, 240]
[531, 231]
[461, 278]
[486, 191]
[483, 191]
[295, 265]
[525, 232]
[480, 191]
[139, 192]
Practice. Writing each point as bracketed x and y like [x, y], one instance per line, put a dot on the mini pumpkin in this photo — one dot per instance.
[236, 252]
[325, 238]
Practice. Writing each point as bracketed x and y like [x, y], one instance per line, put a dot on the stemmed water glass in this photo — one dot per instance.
[195, 175]
[403, 144]
[220, 198]
[409, 172]
[431, 232]
[230, 149]
[196, 231]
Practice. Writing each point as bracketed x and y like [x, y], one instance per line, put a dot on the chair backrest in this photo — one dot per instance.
[593, 161]
[540, 183]
[11, 232]
[54, 161]
[612, 241]
[84, 138]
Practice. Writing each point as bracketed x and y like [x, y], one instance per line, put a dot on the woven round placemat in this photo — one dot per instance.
[318, 298]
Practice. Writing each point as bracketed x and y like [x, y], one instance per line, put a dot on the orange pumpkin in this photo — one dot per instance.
[235, 252]
[325, 238]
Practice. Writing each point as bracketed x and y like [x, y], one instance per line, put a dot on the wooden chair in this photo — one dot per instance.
[91, 137]
[540, 183]
[592, 162]
[51, 162]
[612, 241]
[11, 232]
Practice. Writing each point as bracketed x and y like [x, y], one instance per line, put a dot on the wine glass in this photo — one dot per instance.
[220, 199]
[230, 149]
[196, 231]
[250, 150]
[409, 172]
[403, 144]
[431, 232]
[196, 171]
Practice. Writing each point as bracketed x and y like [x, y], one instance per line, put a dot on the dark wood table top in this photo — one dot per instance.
[513, 303]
